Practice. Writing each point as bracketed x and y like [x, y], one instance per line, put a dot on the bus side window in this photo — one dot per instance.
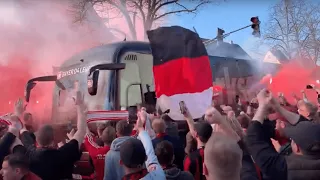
[130, 94]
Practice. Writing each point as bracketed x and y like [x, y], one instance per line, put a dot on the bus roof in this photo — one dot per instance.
[107, 53]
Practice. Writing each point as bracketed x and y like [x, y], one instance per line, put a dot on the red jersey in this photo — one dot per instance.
[97, 154]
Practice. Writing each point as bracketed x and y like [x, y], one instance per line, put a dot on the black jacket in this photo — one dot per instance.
[174, 173]
[272, 164]
[248, 170]
[178, 149]
[5, 143]
[303, 167]
[51, 164]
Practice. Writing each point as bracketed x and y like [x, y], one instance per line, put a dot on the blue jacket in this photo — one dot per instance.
[155, 170]
[112, 169]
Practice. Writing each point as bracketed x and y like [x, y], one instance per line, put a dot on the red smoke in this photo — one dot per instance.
[32, 42]
[291, 79]
[14, 76]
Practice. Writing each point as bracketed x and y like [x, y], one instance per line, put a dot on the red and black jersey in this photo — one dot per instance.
[194, 164]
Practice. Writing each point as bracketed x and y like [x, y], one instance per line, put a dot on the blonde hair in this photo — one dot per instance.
[223, 157]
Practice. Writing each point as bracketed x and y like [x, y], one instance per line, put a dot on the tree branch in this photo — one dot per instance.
[184, 10]
[139, 6]
[162, 4]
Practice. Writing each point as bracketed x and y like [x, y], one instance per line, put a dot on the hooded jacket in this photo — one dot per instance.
[175, 173]
[112, 169]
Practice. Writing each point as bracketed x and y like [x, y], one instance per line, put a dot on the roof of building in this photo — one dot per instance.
[223, 49]
[275, 56]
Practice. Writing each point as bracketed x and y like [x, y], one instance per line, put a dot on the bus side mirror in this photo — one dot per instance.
[31, 84]
[93, 83]
[29, 87]
[93, 76]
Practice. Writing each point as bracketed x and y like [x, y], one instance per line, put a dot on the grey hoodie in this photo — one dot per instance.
[176, 174]
[112, 169]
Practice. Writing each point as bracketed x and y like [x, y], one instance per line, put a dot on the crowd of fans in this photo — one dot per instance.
[266, 138]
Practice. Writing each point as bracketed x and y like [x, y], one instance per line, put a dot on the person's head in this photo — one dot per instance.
[203, 132]
[244, 121]
[165, 153]
[132, 155]
[45, 136]
[101, 127]
[307, 109]
[108, 135]
[166, 118]
[280, 124]
[123, 128]
[93, 128]
[223, 158]
[281, 121]
[214, 102]
[14, 167]
[158, 125]
[305, 138]
[27, 118]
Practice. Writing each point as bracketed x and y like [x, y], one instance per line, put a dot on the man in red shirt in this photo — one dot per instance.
[97, 153]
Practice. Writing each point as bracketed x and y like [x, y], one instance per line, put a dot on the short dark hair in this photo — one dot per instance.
[45, 135]
[17, 160]
[123, 128]
[165, 152]
[108, 135]
[204, 131]
[132, 153]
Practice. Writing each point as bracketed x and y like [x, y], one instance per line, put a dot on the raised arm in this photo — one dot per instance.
[293, 118]
[262, 151]
[82, 119]
[152, 163]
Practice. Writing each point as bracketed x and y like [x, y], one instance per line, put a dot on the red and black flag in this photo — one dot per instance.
[181, 70]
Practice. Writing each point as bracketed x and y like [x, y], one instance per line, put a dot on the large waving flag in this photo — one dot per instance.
[181, 70]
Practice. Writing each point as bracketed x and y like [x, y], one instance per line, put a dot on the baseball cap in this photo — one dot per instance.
[204, 130]
[306, 135]
[132, 153]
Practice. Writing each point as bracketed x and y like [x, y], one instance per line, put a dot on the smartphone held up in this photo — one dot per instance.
[183, 108]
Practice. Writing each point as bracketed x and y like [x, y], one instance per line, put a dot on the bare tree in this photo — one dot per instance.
[294, 29]
[149, 11]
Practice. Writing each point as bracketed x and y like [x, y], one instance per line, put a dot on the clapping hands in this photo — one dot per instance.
[264, 97]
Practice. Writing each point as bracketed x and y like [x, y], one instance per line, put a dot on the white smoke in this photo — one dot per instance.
[43, 31]
[36, 35]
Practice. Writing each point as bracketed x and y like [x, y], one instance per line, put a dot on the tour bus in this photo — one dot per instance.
[113, 78]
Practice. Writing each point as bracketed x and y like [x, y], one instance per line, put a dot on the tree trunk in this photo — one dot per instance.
[130, 25]
[122, 7]
[147, 27]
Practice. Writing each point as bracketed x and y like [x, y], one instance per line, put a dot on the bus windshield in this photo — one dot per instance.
[65, 99]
